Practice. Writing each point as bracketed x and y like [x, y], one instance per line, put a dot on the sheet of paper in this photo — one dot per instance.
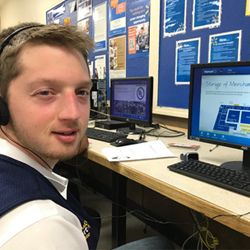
[141, 151]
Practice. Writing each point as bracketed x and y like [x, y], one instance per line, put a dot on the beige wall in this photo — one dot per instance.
[13, 12]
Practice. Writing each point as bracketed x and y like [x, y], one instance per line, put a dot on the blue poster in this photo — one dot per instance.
[117, 17]
[174, 17]
[138, 27]
[225, 47]
[56, 14]
[206, 14]
[187, 53]
[138, 36]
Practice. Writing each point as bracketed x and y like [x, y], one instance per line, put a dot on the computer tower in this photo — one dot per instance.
[98, 99]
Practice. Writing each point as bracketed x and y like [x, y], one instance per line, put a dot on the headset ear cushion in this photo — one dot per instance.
[4, 112]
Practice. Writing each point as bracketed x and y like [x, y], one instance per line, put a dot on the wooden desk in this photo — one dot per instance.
[222, 205]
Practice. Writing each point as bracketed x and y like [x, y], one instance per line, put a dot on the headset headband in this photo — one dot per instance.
[14, 33]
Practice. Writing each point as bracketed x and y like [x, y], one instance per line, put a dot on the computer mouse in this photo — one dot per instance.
[123, 142]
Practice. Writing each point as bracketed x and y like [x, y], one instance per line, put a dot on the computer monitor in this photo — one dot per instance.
[219, 107]
[131, 101]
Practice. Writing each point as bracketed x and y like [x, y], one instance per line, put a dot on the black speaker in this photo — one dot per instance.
[4, 112]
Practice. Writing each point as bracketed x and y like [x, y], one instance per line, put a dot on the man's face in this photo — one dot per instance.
[49, 102]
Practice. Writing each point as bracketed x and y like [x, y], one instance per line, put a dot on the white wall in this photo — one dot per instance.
[13, 12]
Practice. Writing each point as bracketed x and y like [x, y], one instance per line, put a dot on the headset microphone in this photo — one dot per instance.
[4, 112]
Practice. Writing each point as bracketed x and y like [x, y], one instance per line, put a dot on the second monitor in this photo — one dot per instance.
[131, 101]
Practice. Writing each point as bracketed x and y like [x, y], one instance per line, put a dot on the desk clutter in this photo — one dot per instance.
[141, 151]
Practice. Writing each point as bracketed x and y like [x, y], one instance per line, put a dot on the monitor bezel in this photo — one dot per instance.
[191, 95]
[144, 123]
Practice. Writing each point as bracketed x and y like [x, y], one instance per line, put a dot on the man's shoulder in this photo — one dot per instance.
[38, 216]
[37, 210]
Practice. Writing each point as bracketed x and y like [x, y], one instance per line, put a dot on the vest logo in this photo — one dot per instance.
[86, 229]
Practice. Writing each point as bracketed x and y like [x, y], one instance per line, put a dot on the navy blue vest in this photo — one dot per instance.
[20, 183]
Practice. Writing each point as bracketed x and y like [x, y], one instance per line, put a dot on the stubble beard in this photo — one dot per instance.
[41, 148]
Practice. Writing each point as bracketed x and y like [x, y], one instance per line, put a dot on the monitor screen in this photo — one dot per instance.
[219, 105]
[131, 100]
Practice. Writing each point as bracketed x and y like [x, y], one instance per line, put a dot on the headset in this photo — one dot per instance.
[4, 110]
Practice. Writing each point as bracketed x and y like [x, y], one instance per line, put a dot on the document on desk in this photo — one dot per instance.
[141, 151]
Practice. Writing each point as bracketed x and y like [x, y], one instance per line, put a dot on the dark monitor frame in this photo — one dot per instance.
[193, 113]
[129, 80]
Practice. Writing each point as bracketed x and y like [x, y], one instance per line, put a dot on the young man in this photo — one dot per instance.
[44, 110]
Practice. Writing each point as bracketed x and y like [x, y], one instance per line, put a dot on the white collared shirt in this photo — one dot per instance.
[39, 224]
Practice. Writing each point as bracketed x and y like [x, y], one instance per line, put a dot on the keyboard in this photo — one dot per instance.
[232, 180]
[103, 135]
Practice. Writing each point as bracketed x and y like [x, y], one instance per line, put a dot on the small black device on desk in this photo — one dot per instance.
[123, 142]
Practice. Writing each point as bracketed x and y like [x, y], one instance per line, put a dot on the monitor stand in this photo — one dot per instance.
[243, 165]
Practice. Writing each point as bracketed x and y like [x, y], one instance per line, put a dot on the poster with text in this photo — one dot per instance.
[83, 25]
[117, 57]
[187, 53]
[138, 18]
[91, 66]
[84, 9]
[174, 17]
[70, 16]
[225, 47]
[117, 17]
[100, 67]
[100, 26]
[56, 14]
[206, 14]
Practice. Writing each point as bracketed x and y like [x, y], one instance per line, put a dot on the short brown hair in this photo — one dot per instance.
[52, 34]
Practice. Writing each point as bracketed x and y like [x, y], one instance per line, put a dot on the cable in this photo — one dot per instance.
[157, 221]
[171, 132]
[100, 113]
[206, 238]
[20, 145]
[142, 136]
[141, 214]
[230, 215]
[213, 148]
[189, 238]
